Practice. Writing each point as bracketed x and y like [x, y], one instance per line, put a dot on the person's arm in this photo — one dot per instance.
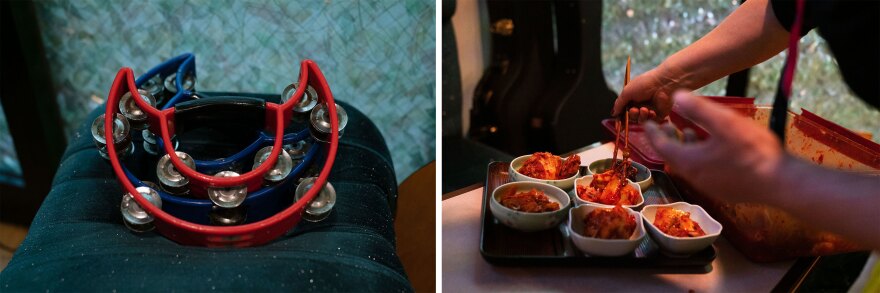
[845, 203]
[748, 36]
[744, 162]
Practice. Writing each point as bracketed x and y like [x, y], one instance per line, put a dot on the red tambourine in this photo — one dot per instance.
[277, 118]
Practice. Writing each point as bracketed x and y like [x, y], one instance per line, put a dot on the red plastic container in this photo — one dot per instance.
[640, 149]
[765, 233]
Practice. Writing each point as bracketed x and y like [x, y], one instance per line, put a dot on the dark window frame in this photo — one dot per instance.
[29, 100]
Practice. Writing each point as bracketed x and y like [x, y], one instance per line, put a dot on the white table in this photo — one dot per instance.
[465, 270]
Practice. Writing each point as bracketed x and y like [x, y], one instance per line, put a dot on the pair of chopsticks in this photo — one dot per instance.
[622, 120]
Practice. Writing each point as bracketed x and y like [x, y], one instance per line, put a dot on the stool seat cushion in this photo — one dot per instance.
[78, 242]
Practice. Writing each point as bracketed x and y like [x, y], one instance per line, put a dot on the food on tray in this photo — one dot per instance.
[611, 187]
[607, 188]
[677, 223]
[569, 167]
[631, 172]
[613, 223]
[546, 166]
[532, 201]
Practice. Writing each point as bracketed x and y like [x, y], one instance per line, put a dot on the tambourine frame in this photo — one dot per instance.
[277, 118]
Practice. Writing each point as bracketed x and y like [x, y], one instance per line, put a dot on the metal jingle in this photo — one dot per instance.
[227, 197]
[142, 228]
[150, 148]
[308, 101]
[122, 151]
[282, 168]
[321, 206]
[135, 217]
[168, 175]
[189, 82]
[320, 122]
[130, 109]
[170, 83]
[150, 145]
[149, 136]
[153, 86]
[227, 217]
[297, 150]
[120, 128]
[154, 138]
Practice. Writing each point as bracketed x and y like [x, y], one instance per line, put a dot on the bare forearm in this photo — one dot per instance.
[844, 203]
[750, 35]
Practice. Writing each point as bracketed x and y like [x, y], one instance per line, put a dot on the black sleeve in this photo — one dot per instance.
[813, 11]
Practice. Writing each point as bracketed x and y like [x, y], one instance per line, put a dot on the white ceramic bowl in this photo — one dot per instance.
[589, 178]
[602, 247]
[529, 222]
[643, 174]
[566, 184]
[682, 245]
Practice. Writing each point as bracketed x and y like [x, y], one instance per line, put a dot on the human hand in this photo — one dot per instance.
[649, 96]
[739, 160]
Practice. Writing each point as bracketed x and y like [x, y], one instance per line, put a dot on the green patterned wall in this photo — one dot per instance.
[376, 55]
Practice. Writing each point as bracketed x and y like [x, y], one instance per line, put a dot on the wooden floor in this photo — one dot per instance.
[415, 228]
[11, 236]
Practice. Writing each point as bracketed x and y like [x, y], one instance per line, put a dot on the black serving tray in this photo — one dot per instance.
[502, 245]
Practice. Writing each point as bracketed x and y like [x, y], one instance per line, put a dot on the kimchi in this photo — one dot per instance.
[677, 223]
[607, 188]
[613, 223]
[546, 166]
[532, 201]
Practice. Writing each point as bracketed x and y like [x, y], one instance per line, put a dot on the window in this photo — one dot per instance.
[10, 169]
[652, 30]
